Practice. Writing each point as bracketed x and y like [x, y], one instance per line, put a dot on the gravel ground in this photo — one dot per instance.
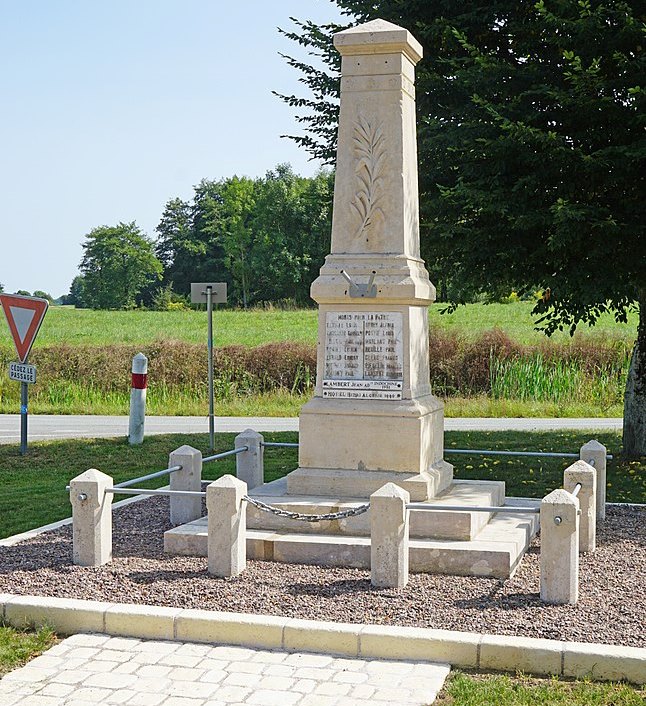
[611, 607]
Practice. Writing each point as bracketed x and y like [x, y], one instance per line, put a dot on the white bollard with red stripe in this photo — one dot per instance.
[138, 399]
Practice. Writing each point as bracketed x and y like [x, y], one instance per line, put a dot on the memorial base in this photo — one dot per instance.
[350, 449]
[341, 483]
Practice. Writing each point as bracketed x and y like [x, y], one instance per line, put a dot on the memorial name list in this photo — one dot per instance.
[363, 355]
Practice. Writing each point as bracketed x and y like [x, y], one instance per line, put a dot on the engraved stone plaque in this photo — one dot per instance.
[363, 355]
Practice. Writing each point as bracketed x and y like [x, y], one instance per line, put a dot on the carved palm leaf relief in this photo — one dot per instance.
[369, 151]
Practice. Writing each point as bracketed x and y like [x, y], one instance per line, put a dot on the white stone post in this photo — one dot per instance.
[185, 508]
[586, 475]
[389, 530]
[594, 454]
[227, 548]
[560, 548]
[138, 399]
[91, 518]
[250, 463]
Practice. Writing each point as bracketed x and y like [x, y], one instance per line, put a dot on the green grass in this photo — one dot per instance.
[558, 381]
[502, 690]
[254, 327]
[19, 646]
[74, 398]
[34, 485]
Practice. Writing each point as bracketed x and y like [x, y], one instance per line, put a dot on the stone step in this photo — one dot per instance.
[426, 524]
[496, 551]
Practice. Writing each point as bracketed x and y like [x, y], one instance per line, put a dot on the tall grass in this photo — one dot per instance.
[560, 381]
[583, 377]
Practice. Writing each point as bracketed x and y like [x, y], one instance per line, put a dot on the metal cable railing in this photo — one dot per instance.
[284, 444]
[157, 474]
[224, 454]
[486, 452]
[471, 508]
[115, 490]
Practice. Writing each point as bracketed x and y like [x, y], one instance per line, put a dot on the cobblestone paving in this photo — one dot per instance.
[85, 670]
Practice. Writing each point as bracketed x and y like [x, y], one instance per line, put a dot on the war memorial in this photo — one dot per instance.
[372, 491]
[372, 436]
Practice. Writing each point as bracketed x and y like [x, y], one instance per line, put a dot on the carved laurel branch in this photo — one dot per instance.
[369, 149]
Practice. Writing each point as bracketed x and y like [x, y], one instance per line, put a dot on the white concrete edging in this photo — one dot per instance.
[460, 649]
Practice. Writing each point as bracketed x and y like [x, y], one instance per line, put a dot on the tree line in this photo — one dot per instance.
[265, 237]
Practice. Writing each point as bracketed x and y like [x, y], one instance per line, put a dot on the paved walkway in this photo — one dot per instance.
[42, 427]
[85, 670]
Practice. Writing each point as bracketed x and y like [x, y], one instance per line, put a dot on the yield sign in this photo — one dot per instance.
[24, 316]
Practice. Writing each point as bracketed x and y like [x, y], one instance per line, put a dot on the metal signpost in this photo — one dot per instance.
[24, 316]
[209, 293]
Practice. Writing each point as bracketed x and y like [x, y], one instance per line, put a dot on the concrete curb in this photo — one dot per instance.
[460, 649]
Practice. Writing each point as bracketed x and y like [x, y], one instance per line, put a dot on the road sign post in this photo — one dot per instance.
[24, 316]
[209, 293]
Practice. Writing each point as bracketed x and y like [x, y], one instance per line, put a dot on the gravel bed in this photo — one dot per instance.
[611, 607]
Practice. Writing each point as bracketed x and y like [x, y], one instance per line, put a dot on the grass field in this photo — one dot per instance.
[266, 361]
[254, 327]
[504, 690]
[19, 646]
[34, 485]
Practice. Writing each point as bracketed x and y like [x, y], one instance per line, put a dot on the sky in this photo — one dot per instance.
[109, 108]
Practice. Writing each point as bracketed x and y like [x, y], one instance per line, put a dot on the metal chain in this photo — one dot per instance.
[280, 512]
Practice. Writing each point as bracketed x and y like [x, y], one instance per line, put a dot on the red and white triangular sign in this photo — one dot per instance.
[24, 316]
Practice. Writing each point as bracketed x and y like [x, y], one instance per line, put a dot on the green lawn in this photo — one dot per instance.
[34, 485]
[19, 646]
[503, 690]
[86, 327]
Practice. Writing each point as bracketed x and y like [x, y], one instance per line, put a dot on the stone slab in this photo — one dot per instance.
[426, 524]
[496, 550]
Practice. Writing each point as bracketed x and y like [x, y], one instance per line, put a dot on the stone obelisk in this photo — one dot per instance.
[373, 418]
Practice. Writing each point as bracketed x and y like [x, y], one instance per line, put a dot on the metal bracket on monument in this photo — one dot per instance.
[368, 290]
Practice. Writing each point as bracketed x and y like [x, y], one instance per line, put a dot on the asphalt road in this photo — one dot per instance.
[43, 427]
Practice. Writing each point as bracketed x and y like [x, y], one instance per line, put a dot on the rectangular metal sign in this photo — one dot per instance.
[22, 372]
[218, 292]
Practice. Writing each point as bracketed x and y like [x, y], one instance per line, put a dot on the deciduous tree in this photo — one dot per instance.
[118, 263]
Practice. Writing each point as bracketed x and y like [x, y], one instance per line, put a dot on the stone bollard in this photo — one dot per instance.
[250, 463]
[138, 399]
[594, 454]
[560, 548]
[227, 548]
[389, 537]
[185, 508]
[581, 472]
[91, 518]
